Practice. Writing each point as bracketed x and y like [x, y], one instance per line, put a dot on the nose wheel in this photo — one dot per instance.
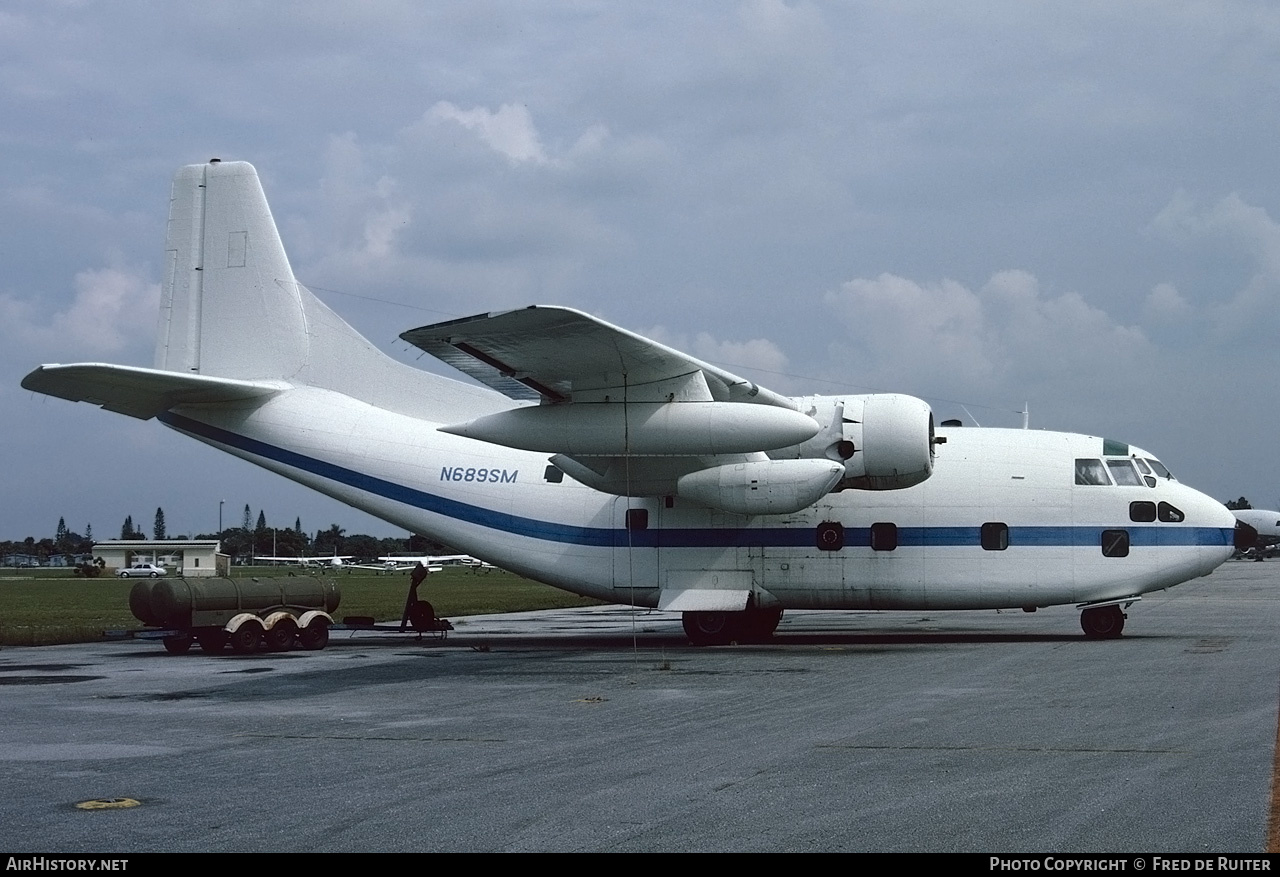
[1102, 622]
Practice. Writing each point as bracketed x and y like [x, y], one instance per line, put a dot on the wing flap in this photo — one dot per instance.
[141, 392]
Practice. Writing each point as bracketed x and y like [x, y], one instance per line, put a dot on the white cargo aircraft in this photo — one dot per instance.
[1266, 528]
[610, 465]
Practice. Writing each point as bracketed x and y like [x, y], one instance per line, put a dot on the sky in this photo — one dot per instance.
[1071, 206]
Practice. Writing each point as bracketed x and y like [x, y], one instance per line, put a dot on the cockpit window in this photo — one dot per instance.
[1092, 472]
[1145, 470]
[1158, 468]
[1124, 473]
[1173, 514]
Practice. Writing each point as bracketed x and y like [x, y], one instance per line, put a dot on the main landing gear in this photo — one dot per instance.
[1102, 622]
[720, 628]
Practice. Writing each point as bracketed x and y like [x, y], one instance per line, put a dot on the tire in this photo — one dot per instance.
[1103, 622]
[710, 628]
[155, 575]
[280, 637]
[177, 645]
[315, 636]
[246, 639]
[758, 625]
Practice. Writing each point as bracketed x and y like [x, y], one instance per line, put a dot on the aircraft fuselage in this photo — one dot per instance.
[1002, 522]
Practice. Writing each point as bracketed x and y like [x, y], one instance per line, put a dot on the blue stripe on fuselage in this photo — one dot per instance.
[699, 537]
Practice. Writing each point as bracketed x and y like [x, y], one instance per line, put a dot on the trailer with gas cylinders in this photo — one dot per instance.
[245, 614]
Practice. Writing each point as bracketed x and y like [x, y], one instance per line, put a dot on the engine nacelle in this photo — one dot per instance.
[763, 487]
[677, 429]
[884, 440]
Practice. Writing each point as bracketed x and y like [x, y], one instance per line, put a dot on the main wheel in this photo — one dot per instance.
[280, 637]
[758, 625]
[711, 628]
[177, 645]
[314, 636]
[1102, 622]
[246, 638]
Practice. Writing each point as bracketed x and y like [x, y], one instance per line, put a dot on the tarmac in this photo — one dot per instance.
[602, 730]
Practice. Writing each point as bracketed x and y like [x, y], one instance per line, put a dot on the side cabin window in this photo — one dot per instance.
[1124, 473]
[884, 537]
[1143, 512]
[1115, 543]
[995, 536]
[1092, 472]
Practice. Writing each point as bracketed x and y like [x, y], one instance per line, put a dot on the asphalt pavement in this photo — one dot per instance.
[601, 730]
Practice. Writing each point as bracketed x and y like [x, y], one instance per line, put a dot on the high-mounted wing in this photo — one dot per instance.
[627, 415]
[559, 355]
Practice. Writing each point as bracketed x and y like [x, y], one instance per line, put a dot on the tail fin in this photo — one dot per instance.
[231, 307]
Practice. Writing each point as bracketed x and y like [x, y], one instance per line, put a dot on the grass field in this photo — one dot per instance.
[46, 606]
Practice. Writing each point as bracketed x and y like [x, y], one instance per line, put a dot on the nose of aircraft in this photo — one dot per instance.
[1219, 531]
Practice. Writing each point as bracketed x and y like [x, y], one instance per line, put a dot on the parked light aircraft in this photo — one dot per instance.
[607, 464]
[336, 561]
[437, 561]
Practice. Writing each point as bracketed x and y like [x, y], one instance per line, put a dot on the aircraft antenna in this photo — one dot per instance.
[1026, 415]
[970, 413]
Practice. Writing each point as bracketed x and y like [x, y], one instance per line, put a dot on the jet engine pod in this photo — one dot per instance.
[894, 447]
[763, 487]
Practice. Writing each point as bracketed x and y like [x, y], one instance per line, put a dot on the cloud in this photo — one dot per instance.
[1164, 304]
[755, 354]
[977, 344]
[1245, 237]
[509, 131]
[113, 310]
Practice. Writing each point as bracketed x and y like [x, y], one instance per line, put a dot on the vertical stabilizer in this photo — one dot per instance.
[230, 306]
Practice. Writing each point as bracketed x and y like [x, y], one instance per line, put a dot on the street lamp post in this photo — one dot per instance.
[220, 502]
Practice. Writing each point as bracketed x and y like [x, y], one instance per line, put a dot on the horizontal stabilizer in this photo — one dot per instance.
[141, 392]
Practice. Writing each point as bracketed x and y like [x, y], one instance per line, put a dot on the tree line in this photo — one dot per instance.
[253, 538]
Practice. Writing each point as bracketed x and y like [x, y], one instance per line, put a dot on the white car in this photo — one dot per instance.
[143, 570]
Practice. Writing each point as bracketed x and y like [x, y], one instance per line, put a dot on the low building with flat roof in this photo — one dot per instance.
[190, 558]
